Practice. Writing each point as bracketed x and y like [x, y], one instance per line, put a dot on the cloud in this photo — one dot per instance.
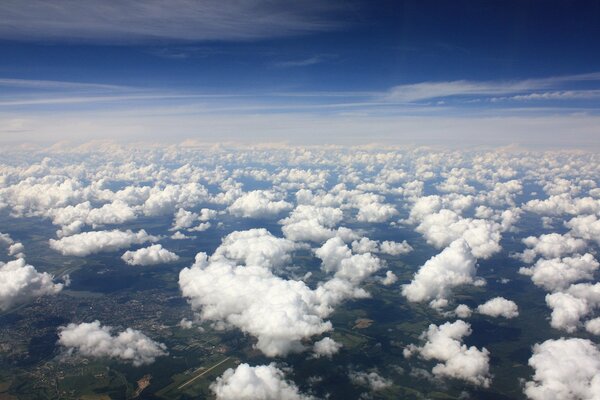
[558, 273]
[151, 21]
[151, 255]
[593, 326]
[278, 312]
[258, 204]
[499, 307]
[93, 340]
[444, 343]
[395, 248]
[570, 306]
[372, 380]
[84, 244]
[337, 257]
[238, 287]
[453, 267]
[445, 226]
[311, 223]
[463, 311]
[326, 347]
[255, 247]
[20, 282]
[366, 245]
[552, 245]
[116, 212]
[586, 227]
[565, 369]
[390, 278]
[262, 382]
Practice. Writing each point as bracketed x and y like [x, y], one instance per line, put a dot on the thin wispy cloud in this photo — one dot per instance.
[518, 90]
[305, 62]
[148, 21]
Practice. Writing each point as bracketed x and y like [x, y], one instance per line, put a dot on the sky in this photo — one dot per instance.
[312, 72]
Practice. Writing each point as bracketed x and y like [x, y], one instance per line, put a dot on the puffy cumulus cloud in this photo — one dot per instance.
[454, 266]
[14, 249]
[552, 245]
[375, 212]
[337, 257]
[258, 204]
[183, 219]
[372, 380]
[326, 347]
[586, 227]
[237, 287]
[499, 307]
[593, 326]
[262, 382]
[395, 248]
[151, 255]
[565, 369]
[255, 247]
[366, 245]
[35, 196]
[86, 243]
[389, 279]
[73, 218]
[94, 340]
[164, 200]
[570, 306]
[446, 226]
[444, 343]
[279, 313]
[558, 273]
[567, 310]
[558, 205]
[463, 311]
[311, 223]
[20, 282]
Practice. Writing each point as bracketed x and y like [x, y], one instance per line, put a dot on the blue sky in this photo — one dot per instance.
[422, 72]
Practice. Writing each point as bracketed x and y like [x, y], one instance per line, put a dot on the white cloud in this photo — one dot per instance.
[552, 245]
[570, 306]
[86, 243]
[183, 219]
[499, 307]
[453, 267]
[375, 212]
[237, 287]
[278, 312]
[20, 282]
[390, 278]
[444, 343]
[463, 311]
[593, 326]
[311, 223]
[326, 347]
[445, 226]
[93, 340]
[565, 369]
[166, 199]
[255, 247]
[395, 248]
[151, 21]
[557, 273]
[262, 382]
[258, 204]
[372, 380]
[337, 257]
[586, 227]
[151, 255]
[116, 212]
